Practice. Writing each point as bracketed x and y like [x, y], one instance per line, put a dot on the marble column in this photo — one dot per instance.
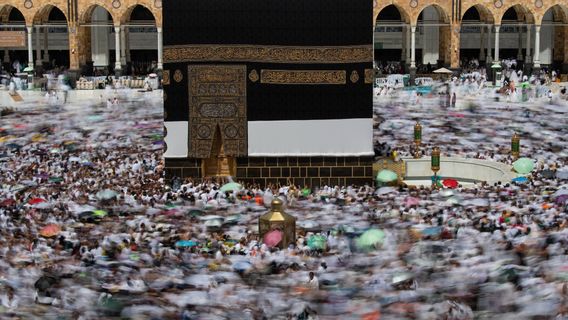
[127, 45]
[489, 57]
[123, 45]
[408, 35]
[30, 47]
[117, 65]
[481, 45]
[528, 54]
[536, 63]
[497, 43]
[38, 47]
[520, 45]
[160, 48]
[404, 48]
[413, 47]
[45, 44]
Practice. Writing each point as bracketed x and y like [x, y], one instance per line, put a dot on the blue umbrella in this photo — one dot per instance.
[520, 180]
[186, 243]
[242, 266]
[432, 231]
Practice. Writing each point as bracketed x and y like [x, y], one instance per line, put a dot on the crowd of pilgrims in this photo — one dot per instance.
[90, 229]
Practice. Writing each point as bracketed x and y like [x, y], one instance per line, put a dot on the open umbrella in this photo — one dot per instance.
[520, 180]
[450, 183]
[186, 243]
[231, 186]
[50, 230]
[55, 179]
[386, 176]
[33, 201]
[370, 239]
[308, 224]
[99, 213]
[195, 212]
[548, 174]
[562, 174]
[411, 201]
[523, 165]
[317, 242]
[7, 202]
[106, 194]
[272, 238]
[443, 70]
[42, 205]
[242, 266]
[385, 190]
[560, 192]
[561, 199]
[454, 200]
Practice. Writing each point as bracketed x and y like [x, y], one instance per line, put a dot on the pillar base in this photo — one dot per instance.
[412, 72]
[118, 72]
[535, 70]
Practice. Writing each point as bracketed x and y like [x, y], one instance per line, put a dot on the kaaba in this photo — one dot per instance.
[269, 91]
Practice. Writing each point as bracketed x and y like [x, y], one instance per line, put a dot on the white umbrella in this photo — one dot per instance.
[562, 174]
[443, 70]
[560, 192]
[477, 202]
[385, 190]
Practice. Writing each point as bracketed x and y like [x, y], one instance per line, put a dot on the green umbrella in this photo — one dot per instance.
[110, 306]
[55, 179]
[370, 239]
[195, 212]
[231, 186]
[99, 213]
[386, 176]
[523, 165]
[317, 242]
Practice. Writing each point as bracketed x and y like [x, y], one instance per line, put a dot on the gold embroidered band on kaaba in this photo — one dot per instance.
[303, 76]
[271, 54]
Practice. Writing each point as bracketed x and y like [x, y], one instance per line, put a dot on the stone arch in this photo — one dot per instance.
[442, 12]
[486, 15]
[42, 14]
[559, 29]
[123, 13]
[126, 15]
[6, 11]
[404, 15]
[560, 8]
[523, 13]
[86, 14]
[559, 12]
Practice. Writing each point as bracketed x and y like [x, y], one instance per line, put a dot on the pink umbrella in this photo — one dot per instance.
[411, 201]
[273, 238]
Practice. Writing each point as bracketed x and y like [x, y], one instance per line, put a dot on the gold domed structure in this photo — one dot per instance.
[277, 219]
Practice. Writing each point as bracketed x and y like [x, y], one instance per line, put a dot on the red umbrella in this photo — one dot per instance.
[36, 200]
[273, 238]
[50, 230]
[450, 183]
[7, 203]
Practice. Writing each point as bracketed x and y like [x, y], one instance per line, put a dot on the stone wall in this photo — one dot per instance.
[310, 171]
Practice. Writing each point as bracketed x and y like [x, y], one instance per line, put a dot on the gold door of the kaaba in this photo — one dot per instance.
[217, 116]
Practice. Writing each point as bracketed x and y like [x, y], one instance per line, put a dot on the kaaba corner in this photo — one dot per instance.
[269, 91]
